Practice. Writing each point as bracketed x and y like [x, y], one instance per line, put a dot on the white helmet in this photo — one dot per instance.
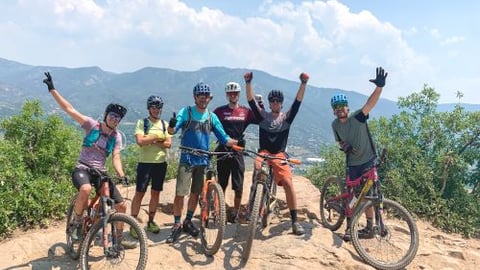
[232, 87]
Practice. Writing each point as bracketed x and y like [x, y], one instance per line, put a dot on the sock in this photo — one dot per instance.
[293, 214]
[176, 219]
[189, 215]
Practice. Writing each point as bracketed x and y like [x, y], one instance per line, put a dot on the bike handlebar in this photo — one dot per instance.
[104, 176]
[248, 152]
[201, 152]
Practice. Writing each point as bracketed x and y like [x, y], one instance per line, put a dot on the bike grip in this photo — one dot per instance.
[237, 148]
[295, 161]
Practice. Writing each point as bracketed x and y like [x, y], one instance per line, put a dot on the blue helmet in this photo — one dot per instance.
[339, 99]
[201, 89]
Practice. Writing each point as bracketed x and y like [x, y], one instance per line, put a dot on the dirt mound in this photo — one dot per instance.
[276, 248]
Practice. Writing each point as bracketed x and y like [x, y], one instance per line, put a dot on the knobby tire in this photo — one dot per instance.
[92, 254]
[332, 214]
[73, 247]
[396, 246]
[212, 229]
[252, 223]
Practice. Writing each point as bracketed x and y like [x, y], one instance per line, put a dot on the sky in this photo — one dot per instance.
[339, 43]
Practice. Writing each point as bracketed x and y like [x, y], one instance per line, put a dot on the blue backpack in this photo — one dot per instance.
[93, 136]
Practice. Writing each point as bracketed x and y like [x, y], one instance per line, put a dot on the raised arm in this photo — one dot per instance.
[248, 86]
[62, 102]
[303, 85]
[379, 81]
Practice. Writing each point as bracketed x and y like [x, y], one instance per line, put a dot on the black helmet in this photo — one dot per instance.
[116, 108]
[275, 95]
[154, 101]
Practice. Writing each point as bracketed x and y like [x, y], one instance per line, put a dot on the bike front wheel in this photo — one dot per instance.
[213, 224]
[393, 241]
[271, 206]
[332, 209]
[98, 252]
[253, 221]
[73, 243]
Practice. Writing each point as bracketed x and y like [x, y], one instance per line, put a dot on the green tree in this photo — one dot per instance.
[38, 155]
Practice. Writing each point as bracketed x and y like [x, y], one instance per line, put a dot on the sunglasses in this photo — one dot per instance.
[114, 116]
[158, 107]
[275, 100]
[203, 95]
[339, 106]
[233, 93]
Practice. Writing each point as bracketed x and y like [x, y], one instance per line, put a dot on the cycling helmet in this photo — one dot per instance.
[339, 99]
[116, 108]
[201, 89]
[154, 101]
[275, 94]
[232, 87]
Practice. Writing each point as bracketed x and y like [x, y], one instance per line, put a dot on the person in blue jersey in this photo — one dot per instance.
[195, 122]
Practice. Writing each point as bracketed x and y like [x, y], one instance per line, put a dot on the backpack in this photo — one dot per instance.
[147, 126]
[190, 116]
[92, 137]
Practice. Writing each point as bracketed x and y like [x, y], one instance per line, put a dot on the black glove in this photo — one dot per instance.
[48, 81]
[304, 77]
[380, 79]
[347, 148]
[241, 142]
[248, 77]
[124, 181]
[173, 121]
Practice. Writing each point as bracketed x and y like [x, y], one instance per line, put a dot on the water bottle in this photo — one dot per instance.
[352, 202]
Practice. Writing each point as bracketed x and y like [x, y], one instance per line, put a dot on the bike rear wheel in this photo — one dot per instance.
[73, 245]
[271, 206]
[213, 226]
[253, 221]
[115, 256]
[390, 248]
[332, 211]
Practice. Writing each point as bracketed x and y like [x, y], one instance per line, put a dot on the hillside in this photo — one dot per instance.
[90, 89]
[277, 248]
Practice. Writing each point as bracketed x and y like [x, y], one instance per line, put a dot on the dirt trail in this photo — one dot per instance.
[276, 248]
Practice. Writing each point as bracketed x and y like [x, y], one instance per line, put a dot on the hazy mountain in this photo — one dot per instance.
[90, 89]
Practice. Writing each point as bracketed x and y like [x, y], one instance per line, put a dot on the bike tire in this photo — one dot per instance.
[212, 229]
[396, 246]
[332, 212]
[253, 222]
[73, 246]
[92, 255]
[271, 206]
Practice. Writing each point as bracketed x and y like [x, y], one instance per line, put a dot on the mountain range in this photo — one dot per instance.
[90, 89]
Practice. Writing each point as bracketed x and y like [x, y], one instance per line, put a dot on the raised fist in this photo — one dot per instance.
[304, 77]
[248, 77]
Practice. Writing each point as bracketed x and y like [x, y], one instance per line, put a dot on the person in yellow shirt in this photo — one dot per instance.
[152, 136]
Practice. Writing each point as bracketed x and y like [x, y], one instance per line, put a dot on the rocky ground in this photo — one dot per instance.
[275, 248]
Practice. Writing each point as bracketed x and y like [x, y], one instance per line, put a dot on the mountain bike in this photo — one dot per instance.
[393, 241]
[262, 203]
[98, 245]
[212, 203]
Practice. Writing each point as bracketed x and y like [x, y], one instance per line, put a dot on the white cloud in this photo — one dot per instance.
[338, 47]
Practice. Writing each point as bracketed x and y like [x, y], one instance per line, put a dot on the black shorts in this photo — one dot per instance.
[151, 171]
[82, 176]
[236, 167]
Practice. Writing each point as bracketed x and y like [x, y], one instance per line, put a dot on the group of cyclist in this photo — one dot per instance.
[228, 123]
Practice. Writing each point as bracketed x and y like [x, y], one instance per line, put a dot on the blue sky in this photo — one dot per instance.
[339, 43]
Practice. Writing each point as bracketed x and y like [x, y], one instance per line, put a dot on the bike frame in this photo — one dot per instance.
[369, 177]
